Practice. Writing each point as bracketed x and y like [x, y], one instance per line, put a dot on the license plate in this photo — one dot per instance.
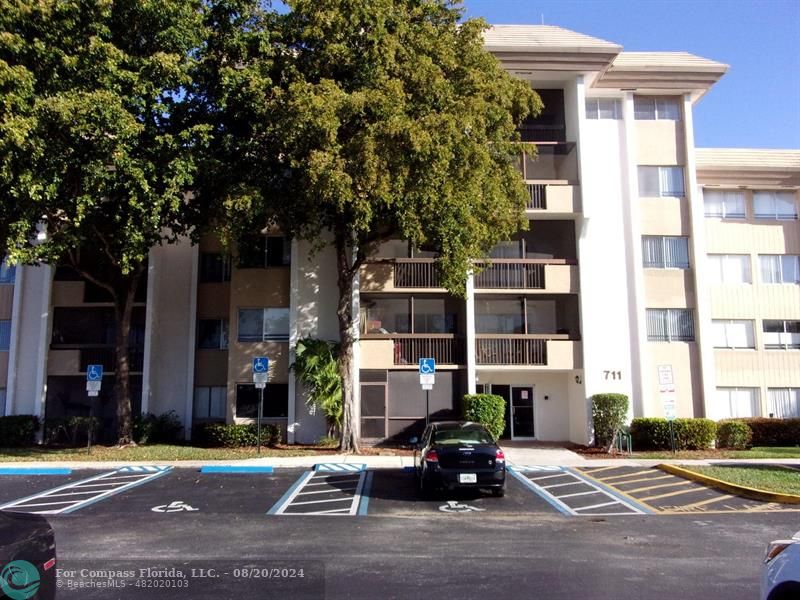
[467, 478]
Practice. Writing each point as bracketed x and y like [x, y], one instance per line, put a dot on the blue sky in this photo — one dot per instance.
[755, 105]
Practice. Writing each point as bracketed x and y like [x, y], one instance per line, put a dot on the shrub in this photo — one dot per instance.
[488, 409]
[690, 434]
[235, 436]
[609, 414]
[774, 432]
[163, 429]
[733, 434]
[70, 431]
[18, 430]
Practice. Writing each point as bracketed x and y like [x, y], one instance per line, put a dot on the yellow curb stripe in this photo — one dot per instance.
[668, 494]
[663, 485]
[601, 482]
[644, 479]
[634, 474]
[707, 501]
[732, 488]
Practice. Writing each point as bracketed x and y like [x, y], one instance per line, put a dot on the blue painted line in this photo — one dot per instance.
[611, 491]
[234, 469]
[301, 480]
[363, 507]
[124, 488]
[34, 471]
[550, 500]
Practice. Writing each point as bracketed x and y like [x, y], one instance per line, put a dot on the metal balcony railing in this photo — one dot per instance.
[538, 196]
[511, 274]
[510, 350]
[445, 348]
[416, 273]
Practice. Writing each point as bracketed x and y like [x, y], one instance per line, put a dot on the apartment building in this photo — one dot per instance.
[649, 268]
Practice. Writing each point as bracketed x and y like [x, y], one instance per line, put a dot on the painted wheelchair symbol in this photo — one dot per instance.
[260, 365]
[426, 366]
[454, 506]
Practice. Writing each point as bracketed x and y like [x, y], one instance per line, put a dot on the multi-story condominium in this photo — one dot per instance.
[650, 268]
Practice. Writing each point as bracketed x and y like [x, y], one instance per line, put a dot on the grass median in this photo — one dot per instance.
[776, 453]
[150, 453]
[769, 478]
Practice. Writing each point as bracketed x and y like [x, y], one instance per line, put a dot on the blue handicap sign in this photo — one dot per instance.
[94, 372]
[261, 364]
[427, 366]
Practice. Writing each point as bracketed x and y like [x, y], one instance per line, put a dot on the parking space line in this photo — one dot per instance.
[320, 501]
[625, 499]
[545, 477]
[581, 494]
[537, 489]
[641, 479]
[707, 501]
[598, 469]
[555, 485]
[670, 494]
[601, 505]
[626, 475]
[662, 485]
[364, 505]
[327, 491]
[290, 494]
[342, 485]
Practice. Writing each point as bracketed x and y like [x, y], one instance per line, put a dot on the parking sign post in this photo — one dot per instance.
[260, 378]
[94, 381]
[427, 377]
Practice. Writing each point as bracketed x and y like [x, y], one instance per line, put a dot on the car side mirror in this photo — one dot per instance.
[414, 441]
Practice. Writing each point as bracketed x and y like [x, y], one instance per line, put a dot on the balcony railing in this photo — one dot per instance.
[511, 274]
[416, 273]
[554, 161]
[447, 349]
[511, 350]
[538, 196]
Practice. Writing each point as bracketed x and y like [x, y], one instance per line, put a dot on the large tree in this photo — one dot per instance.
[380, 118]
[97, 145]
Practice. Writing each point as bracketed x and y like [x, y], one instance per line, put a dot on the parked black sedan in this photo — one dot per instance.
[27, 557]
[457, 454]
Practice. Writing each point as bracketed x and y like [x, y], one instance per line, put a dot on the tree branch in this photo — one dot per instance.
[106, 246]
[89, 277]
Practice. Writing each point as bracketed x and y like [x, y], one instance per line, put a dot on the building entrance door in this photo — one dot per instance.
[522, 413]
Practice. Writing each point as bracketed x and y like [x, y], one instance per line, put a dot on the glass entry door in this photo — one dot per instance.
[522, 412]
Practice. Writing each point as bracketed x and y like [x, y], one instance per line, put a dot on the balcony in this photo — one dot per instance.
[403, 274]
[555, 198]
[386, 351]
[557, 276]
[554, 162]
[64, 360]
[549, 350]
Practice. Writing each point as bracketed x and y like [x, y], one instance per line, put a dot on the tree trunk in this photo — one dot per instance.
[345, 278]
[123, 311]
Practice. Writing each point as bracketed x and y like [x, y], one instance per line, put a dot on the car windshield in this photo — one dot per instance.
[462, 436]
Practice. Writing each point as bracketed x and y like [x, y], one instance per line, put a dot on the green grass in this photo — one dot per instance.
[776, 453]
[769, 478]
[156, 452]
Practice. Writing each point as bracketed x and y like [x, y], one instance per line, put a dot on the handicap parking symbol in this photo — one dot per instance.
[454, 506]
[94, 372]
[427, 366]
[260, 364]
[172, 507]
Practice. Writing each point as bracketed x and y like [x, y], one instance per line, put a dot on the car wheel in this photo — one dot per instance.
[785, 591]
[499, 492]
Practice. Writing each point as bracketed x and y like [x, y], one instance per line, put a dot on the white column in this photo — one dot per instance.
[471, 366]
[150, 310]
[191, 343]
[294, 296]
[694, 198]
[45, 332]
[16, 309]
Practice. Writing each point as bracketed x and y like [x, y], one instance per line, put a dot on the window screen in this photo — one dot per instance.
[670, 325]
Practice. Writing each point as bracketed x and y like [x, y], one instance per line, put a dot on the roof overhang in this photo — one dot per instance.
[740, 167]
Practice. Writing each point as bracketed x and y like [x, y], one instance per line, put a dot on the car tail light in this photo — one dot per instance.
[431, 456]
[775, 548]
[500, 456]
[49, 564]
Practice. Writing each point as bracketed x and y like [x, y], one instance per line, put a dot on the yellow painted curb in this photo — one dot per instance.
[739, 490]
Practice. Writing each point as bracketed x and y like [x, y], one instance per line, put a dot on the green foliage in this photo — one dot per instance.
[774, 432]
[487, 409]
[734, 434]
[70, 431]
[690, 434]
[609, 414]
[18, 430]
[214, 435]
[163, 429]
[316, 366]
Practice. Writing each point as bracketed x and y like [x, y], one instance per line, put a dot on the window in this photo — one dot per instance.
[732, 403]
[262, 324]
[729, 268]
[733, 334]
[661, 181]
[774, 205]
[259, 251]
[660, 108]
[670, 325]
[276, 400]
[212, 334]
[7, 272]
[5, 334]
[504, 316]
[603, 108]
[214, 267]
[664, 252]
[780, 268]
[783, 403]
[781, 335]
[724, 204]
[209, 402]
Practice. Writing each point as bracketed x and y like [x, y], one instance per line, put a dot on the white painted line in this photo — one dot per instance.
[357, 496]
[596, 506]
[581, 494]
[321, 501]
[46, 504]
[555, 485]
[335, 511]
[351, 489]
[549, 476]
[338, 476]
[300, 484]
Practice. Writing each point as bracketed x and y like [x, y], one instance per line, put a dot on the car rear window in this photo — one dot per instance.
[462, 436]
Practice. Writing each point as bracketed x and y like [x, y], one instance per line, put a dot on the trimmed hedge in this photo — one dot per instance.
[488, 409]
[163, 429]
[609, 413]
[18, 430]
[774, 432]
[70, 431]
[690, 434]
[733, 434]
[215, 435]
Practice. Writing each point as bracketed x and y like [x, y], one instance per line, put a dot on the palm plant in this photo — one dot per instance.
[316, 365]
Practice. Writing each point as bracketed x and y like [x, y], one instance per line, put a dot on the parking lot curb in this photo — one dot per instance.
[732, 488]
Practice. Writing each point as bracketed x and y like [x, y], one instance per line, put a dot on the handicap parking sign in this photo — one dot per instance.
[427, 366]
[260, 364]
[94, 373]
